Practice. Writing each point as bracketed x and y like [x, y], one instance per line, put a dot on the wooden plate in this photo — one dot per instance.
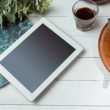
[104, 46]
[101, 1]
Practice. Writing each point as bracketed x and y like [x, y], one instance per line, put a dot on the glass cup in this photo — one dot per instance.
[85, 12]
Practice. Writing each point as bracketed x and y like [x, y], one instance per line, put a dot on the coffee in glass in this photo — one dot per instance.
[84, 12]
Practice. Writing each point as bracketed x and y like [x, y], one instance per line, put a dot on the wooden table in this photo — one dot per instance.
[84, 85]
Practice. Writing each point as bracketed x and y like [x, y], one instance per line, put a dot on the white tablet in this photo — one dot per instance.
[37, 58]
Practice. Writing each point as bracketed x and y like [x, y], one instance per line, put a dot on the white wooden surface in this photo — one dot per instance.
[84, 85]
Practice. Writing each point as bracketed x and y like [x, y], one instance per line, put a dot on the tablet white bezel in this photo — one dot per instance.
[16, 83]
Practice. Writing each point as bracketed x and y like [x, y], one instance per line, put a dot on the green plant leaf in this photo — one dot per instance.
[1, 20]
[11, 17]
[14, 10]
[14, 7]
[43, 5]
[20, 16]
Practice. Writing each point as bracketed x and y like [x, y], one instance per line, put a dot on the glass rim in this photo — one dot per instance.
[84, 1]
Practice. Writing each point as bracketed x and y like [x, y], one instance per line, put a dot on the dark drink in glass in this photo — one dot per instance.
[84, 14]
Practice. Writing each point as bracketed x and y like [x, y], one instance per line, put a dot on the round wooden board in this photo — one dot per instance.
[104, 46]
[101, 1]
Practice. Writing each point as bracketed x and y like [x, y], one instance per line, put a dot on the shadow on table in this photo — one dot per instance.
[106, 2]
[104, 71]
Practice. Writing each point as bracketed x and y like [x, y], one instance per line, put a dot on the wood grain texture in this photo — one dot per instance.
[62, 93]
[29, 107]
[104, 46]
[79, 70]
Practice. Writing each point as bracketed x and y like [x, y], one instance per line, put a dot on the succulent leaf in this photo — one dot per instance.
[14, 10]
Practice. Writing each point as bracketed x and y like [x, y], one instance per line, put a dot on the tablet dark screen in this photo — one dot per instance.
[34, 60]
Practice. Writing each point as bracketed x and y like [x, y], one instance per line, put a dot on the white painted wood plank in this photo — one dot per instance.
[64, 8]
[83, 69]
[89, 69]
[77, 93]
[23, 107]
[63, 93]
[104, 10]
[10, 95]
[60, 8]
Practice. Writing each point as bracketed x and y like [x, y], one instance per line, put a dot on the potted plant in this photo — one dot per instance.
[18, 10]
[14, 22]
